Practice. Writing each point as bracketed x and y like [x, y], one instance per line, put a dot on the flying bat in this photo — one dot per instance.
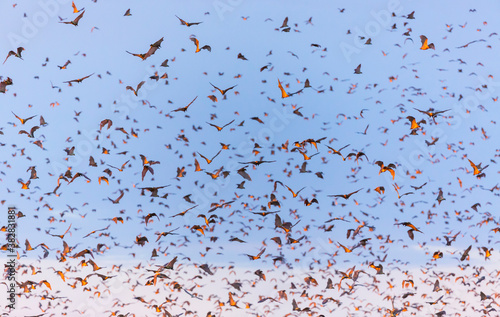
[152, 49]
[136, 89]
[256, 257]
[409, 225]
[425, 45]
[220, 128]
[23, 121]
[257, 163]
[188, 24]
[75, 9]
[209, 160]
[197, 43]
[346, 196]
[75, 21]
[31, 133]
[4, 84]
[78, 80]
[223, 92]
[16, 54]
[284, 94]
[357, 70]
[184, 109]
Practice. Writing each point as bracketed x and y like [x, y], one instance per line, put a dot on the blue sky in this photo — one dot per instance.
[397, 77]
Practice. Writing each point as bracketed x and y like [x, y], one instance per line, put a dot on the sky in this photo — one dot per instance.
[265, 144]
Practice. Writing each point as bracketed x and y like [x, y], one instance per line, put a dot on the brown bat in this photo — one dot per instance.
[75, 9]
[346, 249]
[61, 235]
[184, 212]
[164, 234]
[357, 70]
[346, 196]
[33, 172]
[294, 194]
[31, 133]
[284, 94]
[82, 253]
[105, 122]
[121, 168]
[153, 48]
[419, 187]
[220, 128]
[466, 253]
[146, 161]
[79, 175]
[396, 187]
[409, 225]
[284, 27]
[209, 160]
[141, 56]
[75, 21]
[188, 24]
[23, 121]
[149, 216]
[65, 65]
[117, 200]
[425, 45]
[12, 53]
[145, 169]
[431, 113]
[256, 257]
[223, 92]
[338, 151]
[184, 109]
[357, 155]
[477, 168]
[136, 89]
[257, 163]
[389, 168]
[153, 190]
[414, 123]
[243, 173]
[197, 43]
[78, 80]
[4, 84]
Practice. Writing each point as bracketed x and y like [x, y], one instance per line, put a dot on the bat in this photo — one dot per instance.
[78, 80]
[117, 200]
[357, 70]
[4, 84]
[197, 43]
[425, 45]
[75, 21]
[223, 92]
[256, 257]
[153, 48]
[137, 89]
[284, 94]
[220, 128]
[346, 196]
[31, 133]
[75, 10]
[209, 160]
[184, 109]
[16, 54]
[188, 24]
[23, 121]
[409, 225]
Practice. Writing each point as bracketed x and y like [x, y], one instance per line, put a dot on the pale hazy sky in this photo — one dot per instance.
[397, 77]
